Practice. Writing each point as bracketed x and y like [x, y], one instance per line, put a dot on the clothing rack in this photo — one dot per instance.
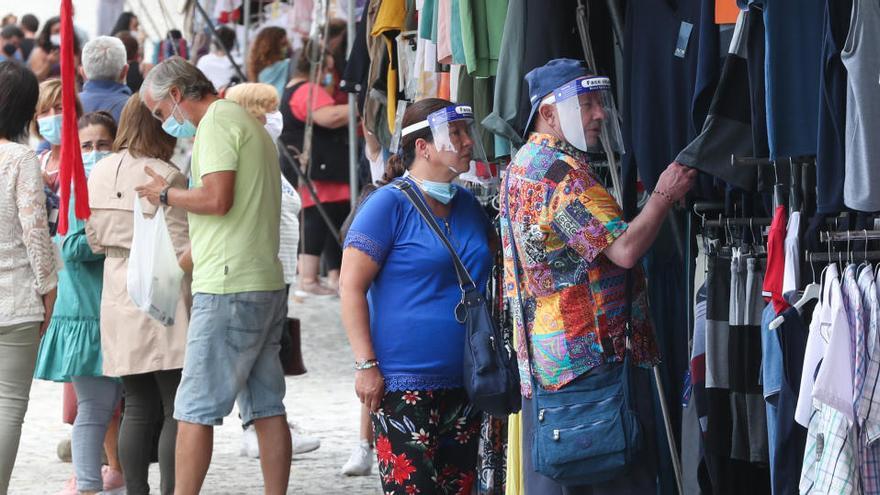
[850, 235]
[745, 161]
[842, 257]
[738, 222]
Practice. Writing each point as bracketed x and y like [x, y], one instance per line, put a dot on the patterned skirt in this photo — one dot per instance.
[427, 442]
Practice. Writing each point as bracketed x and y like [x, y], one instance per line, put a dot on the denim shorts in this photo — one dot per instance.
[232, 352]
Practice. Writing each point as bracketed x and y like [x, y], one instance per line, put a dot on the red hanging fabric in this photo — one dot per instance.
[71, 159]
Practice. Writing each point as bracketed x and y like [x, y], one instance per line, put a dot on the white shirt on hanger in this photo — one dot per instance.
[834, 383]
[791, 277]
[816, 344]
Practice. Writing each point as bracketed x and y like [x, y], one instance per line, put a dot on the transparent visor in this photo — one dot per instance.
[587, 115]
[453, 130]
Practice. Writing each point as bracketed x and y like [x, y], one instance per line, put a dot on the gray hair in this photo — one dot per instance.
[103, 58]
[176, 72]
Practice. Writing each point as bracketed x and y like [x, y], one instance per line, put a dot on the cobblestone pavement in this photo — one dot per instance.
[322, 401]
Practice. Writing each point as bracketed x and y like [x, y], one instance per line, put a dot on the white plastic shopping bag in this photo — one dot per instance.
[154, 274]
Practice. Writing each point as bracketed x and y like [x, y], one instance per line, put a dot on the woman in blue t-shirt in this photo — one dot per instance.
[399, 291]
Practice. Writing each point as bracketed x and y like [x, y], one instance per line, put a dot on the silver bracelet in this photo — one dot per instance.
[365, 365]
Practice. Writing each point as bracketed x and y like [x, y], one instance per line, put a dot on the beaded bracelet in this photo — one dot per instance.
[665, 195]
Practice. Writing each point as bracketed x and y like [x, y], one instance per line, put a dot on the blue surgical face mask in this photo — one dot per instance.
[441, 191]
[50, 129]
[328, 79]
[180, 130]
[91, 158]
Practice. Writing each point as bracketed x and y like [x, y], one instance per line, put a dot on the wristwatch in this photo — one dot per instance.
[163, 196]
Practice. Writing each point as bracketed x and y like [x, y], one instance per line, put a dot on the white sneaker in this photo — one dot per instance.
[361, 461]
[302, 442]
[250, 447]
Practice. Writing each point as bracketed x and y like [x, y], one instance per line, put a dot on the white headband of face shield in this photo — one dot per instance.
[449, 114]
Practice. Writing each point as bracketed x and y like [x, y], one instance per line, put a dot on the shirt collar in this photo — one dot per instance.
[549, 141]
[103, 85]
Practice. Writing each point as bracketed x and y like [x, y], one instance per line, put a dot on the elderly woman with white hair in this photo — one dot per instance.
[104, 68]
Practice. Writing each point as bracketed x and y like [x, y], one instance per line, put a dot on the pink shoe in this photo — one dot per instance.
[113, 479]
[69, 487]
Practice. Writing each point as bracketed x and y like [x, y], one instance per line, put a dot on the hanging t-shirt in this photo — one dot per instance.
[861, 188]
[792, 65]
[726, 11]
[816, 343]
[444, 31]
[482, 26]
[831, 152]
[774, 276]
[834, 382]
[792, 277]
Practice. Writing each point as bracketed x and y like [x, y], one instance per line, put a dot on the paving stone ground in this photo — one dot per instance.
[323, 401]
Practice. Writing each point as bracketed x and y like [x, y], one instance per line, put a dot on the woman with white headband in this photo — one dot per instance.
[399, 291]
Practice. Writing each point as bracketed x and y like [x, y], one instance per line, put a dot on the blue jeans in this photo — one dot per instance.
[96, 399]
[232, 355]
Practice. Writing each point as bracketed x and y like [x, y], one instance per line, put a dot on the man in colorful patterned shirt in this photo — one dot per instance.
[574, 250]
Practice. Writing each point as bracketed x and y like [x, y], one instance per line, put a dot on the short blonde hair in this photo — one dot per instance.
[257, 98]
[50, 94]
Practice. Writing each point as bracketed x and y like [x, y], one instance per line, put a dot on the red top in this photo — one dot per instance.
[772, 290]
[328, 192]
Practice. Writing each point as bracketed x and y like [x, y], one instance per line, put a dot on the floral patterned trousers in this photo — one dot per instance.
[427, 441]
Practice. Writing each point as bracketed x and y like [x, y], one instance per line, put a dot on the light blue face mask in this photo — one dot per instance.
[328, 79]
[441, 191]
[50, 129]
[180, 130]
[91, 158]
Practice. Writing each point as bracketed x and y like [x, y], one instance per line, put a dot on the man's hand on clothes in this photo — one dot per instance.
[151, 190]
[675, 182]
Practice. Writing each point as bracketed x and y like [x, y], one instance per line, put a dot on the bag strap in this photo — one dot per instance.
[465, 282]
[516, 276]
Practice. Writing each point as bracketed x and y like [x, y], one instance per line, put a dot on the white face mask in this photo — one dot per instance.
[55, 39]
[274, 124]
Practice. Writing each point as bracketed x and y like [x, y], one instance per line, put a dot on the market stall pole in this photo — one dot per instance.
[247, 28]
[352, 117]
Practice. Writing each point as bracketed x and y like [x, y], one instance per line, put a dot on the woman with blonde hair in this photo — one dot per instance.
[269, 59]
[145, 354]
[47, 125]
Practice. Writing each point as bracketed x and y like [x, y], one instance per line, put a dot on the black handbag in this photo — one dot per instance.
[586, 432]
[491, 376]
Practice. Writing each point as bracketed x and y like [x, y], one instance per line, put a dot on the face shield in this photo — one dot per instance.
[453, 131]
[587, 114]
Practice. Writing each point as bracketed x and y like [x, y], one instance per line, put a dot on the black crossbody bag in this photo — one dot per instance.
[491, 377]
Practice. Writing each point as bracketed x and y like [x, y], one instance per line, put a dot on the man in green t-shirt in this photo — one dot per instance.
[239, 301]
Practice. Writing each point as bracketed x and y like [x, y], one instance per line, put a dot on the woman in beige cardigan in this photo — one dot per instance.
[147, 355]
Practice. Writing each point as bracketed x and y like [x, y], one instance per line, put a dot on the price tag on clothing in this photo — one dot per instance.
[687, 389]
[684, 36]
